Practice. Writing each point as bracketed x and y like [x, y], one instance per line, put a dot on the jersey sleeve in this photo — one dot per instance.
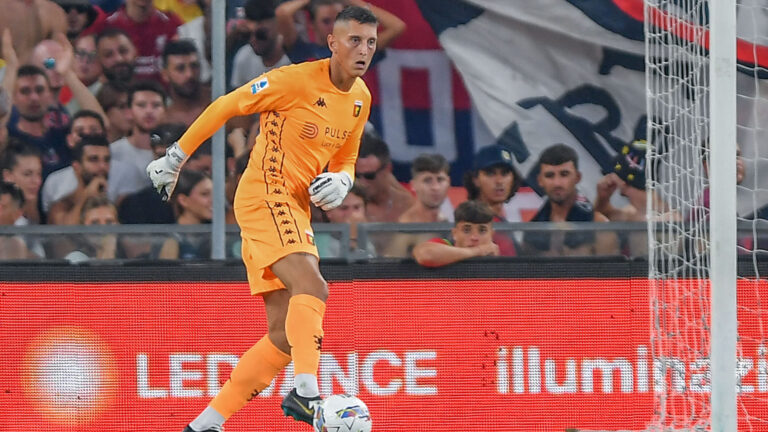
[269, 92]
[345, 159]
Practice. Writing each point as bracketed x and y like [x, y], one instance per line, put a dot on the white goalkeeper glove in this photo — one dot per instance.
[164, 172]
[328, 190]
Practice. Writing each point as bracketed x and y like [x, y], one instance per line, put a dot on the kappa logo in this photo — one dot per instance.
[259, 86]
[358, 107]
[320, 102]
[309, 130]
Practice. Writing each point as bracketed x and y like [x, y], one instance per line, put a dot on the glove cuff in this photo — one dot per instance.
[349, 180]
[175, 155]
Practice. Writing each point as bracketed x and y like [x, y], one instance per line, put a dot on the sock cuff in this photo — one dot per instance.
[309, 301]
[273, 354]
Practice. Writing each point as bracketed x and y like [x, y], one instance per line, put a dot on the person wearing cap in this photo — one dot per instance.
[494, 180]
[81, 16]
[558, 177]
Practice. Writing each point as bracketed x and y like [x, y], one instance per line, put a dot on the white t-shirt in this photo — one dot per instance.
[247, 66]
[123, 180]
[123, 151]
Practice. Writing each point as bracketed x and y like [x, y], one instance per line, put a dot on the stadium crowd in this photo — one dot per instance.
[92, 91]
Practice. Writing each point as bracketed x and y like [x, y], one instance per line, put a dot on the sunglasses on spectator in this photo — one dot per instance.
[78, 8]
[369, 175]
[88, 56]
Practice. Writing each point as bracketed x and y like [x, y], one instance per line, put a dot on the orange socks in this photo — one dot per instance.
[304, 330]
[253, 373]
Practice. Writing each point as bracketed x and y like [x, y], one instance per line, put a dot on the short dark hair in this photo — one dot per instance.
[109, 94]
[188, 179]
[90, 114]
[150, 86]
[28, 70]
[356, 13]
[373, 145]
[361, 191]
[178, 47]
[7, 188]
[433, 163]
[88, 140]
[473, 212]
[18, 148]
[258, 10]
[111, 32]
[558, 154]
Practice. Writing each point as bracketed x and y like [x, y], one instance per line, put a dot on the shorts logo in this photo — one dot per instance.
[358, 107]
[259, 86]
[309, 130]
[310, 237]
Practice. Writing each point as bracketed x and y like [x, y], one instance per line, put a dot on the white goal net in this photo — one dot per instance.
[680, 156]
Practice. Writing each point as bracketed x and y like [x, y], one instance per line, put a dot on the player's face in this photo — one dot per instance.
[116, 56]
[467, 234]
[27, 174]
[354, 44]
[431, 188]
[32, 97]
[495, 184]
[559, 181]
[106, 215]
[199, 202]
[352, 209]
[147, 109]
[183, 74]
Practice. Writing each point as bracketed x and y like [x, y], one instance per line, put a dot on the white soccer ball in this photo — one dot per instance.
[342, 413]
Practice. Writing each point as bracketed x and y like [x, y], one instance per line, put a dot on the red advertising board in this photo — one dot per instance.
[425, 355]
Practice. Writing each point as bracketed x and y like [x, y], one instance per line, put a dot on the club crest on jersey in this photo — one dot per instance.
[358, 107]
[310, 237]
[259, 86]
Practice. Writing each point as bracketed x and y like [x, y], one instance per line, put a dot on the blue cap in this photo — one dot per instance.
[492, 155]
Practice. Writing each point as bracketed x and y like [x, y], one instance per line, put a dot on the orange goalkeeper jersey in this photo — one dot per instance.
[306, 124]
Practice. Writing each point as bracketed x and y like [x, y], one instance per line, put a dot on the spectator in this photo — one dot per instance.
[149, 29]
[121, 180]
[91, 169]
[114, 99]
[22, 167]
[199, 31]
[32, 122]
[193, 199]
[147, 102]
[87, 68]
[181, 72]
[387, 198]
[351, 212]
[559, 176]
[146, 206]
[322, 14]
[472, 237]
[11, 205]
[57, 59]
[264, 50]
[204, 161]
[31, 21]
[116, 54]
[97, 210]
[430, 182]
[81, 15]
[494, 181]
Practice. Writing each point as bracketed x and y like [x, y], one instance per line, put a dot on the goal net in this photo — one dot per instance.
[681, 153]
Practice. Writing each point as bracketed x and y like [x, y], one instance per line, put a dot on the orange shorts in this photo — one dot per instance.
[271, 230]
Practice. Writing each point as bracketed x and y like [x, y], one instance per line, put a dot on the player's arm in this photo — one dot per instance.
[434, 254]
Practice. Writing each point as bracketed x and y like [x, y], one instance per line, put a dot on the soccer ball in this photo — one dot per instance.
[342, 413]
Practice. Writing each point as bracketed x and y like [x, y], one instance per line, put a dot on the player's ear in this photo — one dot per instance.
[332, 42]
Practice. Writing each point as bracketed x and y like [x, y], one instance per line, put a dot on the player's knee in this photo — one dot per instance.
[279, 339]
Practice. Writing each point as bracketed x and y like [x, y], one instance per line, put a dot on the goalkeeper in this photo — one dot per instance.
[312, 116]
